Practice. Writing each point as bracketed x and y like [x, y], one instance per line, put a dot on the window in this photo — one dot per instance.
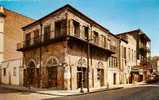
[4, 71]
[36, 36]
[60, 28]
[28, 39]
[14, 71]
[103, 40]
[129, 52]
[86, 29]
[47, 31]
[76, 26]
[113, 62]
[124, 52]
[95, 37]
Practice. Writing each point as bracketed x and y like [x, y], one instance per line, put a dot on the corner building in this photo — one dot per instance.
[58, 48]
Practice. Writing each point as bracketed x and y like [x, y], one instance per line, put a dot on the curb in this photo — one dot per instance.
[33, 91]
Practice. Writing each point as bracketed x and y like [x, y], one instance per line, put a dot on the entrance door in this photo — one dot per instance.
[31, 75]
[114, 78]
[100, 76]
[81, 74]
[52, 77]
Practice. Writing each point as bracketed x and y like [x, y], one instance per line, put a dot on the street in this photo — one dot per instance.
[8, 94]
[136, 93]
[149, 92]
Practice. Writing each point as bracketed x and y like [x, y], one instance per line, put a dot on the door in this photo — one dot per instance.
[52, 77]
[81, 77]
[114, 78]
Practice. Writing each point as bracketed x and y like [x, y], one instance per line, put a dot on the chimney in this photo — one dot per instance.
[2, 11]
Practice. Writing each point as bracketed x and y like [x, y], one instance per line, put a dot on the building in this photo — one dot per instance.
[68, 50]
[155, 64]
[11, 33]
[138, 53]
[127, 58]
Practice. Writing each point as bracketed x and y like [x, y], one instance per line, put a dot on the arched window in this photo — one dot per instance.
[100, 65]
[52, 61]
[82, 63]
[31, 64]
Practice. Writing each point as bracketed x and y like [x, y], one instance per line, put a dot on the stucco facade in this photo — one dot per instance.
[67, 53]
[138, 52]
[11, 33]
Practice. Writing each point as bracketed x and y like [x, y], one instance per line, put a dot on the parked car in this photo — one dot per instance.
[153, 78]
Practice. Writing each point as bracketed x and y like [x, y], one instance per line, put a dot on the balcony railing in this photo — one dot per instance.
[46, 38]
[37, 41]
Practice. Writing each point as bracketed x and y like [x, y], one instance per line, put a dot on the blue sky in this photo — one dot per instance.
[116, 15]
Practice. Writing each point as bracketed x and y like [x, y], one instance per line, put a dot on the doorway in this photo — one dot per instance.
[52, 77]
[100, 76]
[81, 74]
[114, 78]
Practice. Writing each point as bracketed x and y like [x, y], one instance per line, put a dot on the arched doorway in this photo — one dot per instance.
[81, 73]
[52, 70]
[100, 74]
[31, 74]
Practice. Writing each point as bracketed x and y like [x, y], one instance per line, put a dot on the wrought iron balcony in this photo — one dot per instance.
[45, 39]
[38, 41]
[96, 43]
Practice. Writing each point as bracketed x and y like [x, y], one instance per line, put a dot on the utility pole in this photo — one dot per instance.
[82, 79]
[41, 26]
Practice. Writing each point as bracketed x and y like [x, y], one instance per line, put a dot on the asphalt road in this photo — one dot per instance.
[150, 92]
[136, 93]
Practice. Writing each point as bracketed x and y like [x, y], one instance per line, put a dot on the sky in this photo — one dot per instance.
[116, 15]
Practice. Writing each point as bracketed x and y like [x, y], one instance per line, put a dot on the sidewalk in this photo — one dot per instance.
[73, 92]
[61, 92]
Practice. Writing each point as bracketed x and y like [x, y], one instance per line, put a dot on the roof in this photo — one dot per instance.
[18, 14]
[135, 31]
[75, 11]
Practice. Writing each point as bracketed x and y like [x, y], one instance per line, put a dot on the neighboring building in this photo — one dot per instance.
[124, 71]
[155, 64]
[11, 33]
[60, 48]
[139, 52]
[128, 59]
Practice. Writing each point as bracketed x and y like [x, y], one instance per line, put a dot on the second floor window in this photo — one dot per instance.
[113, 62]
[47, 32]
[103, 40]
[95, 37]
[86, 32]
[28, 39]
[60, 28]
[36, 36]
[124, 52]
[76, 26]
